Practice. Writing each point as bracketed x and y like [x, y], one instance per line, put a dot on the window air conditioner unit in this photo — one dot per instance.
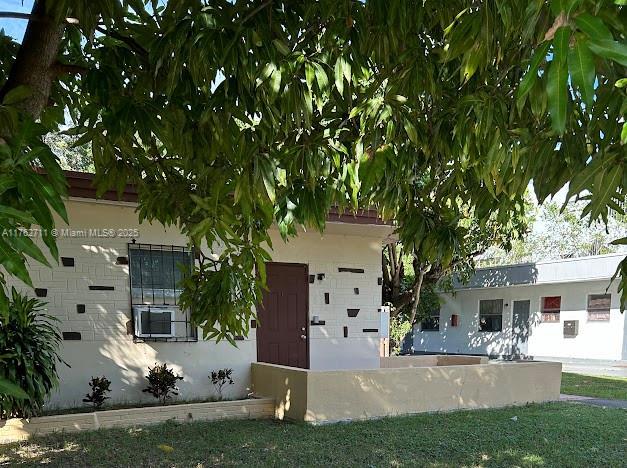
[571, 328]
[154, 322]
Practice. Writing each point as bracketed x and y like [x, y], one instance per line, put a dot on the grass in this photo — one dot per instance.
[610, 388]
[555, 434]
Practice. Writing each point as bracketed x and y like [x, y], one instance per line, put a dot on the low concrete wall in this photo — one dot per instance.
[319, 396]
[392, 362]
[289, 383]
[20, 429]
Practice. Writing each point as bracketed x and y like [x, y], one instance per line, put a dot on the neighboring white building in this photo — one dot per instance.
[563, 308]
[114, 292]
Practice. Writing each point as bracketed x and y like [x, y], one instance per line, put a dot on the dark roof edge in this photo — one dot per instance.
[80, 185]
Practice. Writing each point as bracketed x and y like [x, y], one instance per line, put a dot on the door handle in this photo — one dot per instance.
[304, 337]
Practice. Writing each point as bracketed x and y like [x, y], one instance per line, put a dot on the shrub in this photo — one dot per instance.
[162, 382]
[99, 389]
[399, 329]
[29, 340]
[220, 378]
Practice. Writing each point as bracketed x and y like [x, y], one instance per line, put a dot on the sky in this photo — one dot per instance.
[15, 27]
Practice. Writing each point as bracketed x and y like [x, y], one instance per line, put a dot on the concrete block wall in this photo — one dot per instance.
[106, 348]
[326, 255]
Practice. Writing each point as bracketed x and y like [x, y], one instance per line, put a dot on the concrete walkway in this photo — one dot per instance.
[621, 404]
[590, 366]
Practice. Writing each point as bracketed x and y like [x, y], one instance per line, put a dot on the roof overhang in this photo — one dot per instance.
[81, 185]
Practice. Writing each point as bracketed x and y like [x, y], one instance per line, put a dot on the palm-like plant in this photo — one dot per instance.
[31, 342]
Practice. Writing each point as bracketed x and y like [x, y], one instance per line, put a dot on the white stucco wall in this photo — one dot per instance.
[106, 349]
[596, 339]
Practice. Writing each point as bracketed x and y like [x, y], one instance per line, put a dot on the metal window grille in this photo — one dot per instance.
[599, 307]
[156, 272]
[491, 315]
[551, 307]
[431, 323]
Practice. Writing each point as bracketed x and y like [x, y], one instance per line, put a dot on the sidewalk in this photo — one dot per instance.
[621, 404]
[590, 366]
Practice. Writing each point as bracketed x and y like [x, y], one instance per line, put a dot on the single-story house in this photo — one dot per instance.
[565, 308]
[115, 294]
[313, 352]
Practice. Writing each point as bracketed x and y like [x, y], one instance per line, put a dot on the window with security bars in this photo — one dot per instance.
[491, 315]
[599, 307]
[432, 322]
[156, 272]
[551, 308]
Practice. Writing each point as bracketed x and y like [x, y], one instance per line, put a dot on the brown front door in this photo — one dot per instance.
[282, 331]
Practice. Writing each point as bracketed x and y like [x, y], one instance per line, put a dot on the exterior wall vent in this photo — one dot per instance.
[571, 328]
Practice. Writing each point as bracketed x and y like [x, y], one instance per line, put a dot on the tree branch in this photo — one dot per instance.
[255, 11]
[129, 41]
[59, 69]
[30, 17]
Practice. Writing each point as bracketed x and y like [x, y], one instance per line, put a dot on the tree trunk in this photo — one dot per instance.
[36, 56]
[420, 274]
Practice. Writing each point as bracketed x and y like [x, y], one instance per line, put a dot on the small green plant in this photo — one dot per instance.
[29, 348]
[162, 382]
[399, 329]
[99, 389]
[220, 378]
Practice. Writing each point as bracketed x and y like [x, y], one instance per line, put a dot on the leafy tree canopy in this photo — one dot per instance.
[561, 232]
[234, 115]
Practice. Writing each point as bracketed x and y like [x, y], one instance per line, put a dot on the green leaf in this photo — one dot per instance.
[609, 49]
[557, 94]
[411, 131]
[321, 77]
[310, 75]
[17, 94]
[281, 47]
[10, 389]
[20, 216]
[566, 6]
[532, 74]
[24, 244]
[581, 68]
[275, 81]
[593, 26]
[560, 44]
[14, 263]
[623, 134]
[339, 75]
[622, 241]
[605, 190]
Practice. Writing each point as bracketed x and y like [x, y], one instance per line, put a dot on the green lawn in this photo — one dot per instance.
[556, 434]
[611, 388]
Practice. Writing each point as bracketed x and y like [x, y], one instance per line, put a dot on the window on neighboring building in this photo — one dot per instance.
[431, 323]
[156, 272]
[551, 307]
[599, 306]
[491, 315]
